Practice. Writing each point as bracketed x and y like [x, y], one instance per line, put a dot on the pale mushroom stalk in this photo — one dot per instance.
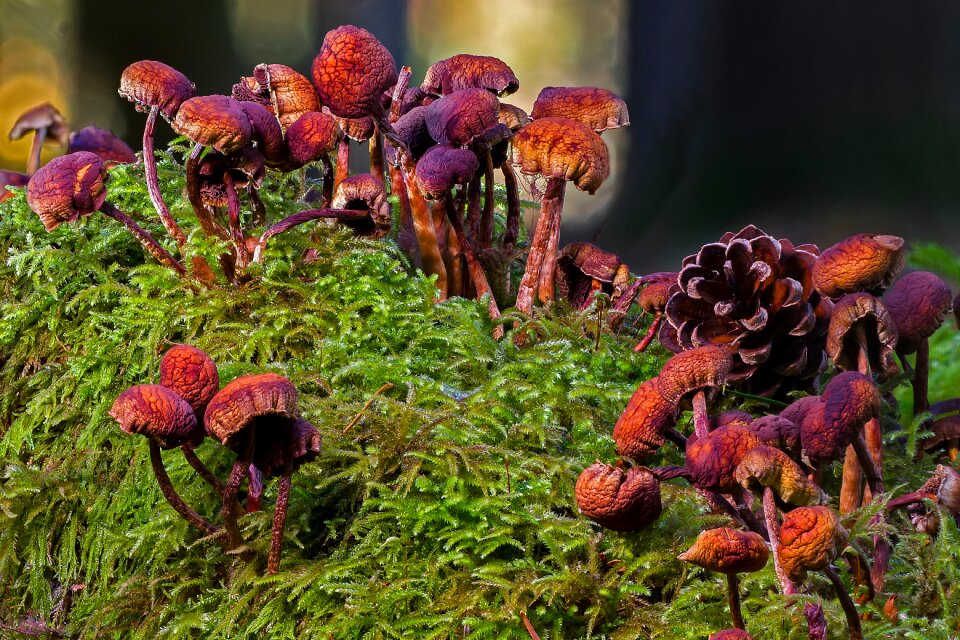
[343, 161]
[701, 419]
[546, 285]
[153, 184]
[550, 207]
[279, 519]
[426, 234]
[166, 487]
[773, 530]
[849, 609]
[299, 218]
[148, 242]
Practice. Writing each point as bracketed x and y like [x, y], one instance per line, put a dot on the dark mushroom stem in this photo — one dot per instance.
[328, 180]
[173, 497]
[733, 599]
[233, 219]
[148, 242]
[202, 470]
[230, 491]
[477, 276]
[641, 346]
[512, 230]
[773, 531]
[550, 207]
[486, 217]
[153, 185]
[279, 518]
[473, 205]
[426, 234]
[209, 226]
[846, 603]
[343, 161]
[396, 103]
[377, 161]
[304, 216]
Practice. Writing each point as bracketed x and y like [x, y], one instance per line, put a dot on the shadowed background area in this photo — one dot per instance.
[811, 122]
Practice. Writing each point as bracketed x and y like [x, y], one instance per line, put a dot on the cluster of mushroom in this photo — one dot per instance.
[728, 312]
[255, 416]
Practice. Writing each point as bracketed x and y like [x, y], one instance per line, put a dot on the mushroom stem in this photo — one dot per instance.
[651, 332]
[328, 179]
[406, 236]
[33, 160]
[233, 219]
[920, 377]
[259, 210]
[720, 505]
[210, 226]
[701, 419]
[473, 206]
[816, 621]
[910, 498]
[254, 488]
[546, 285]
[676, 438]
[486, 218]
[153, 184]
[512, 230]
[399, 89]
[202, 470]
[477, 276]
[377, 161]
[426, 235]
[279, 518]
[173, 497]
[733, 599]
[453, 256]
[148, 242]
[846, 603]
[850, 487]
[550, 206]
[343, 161]
[671, 472]
[881, 548]
[299, 218]
[773, 530]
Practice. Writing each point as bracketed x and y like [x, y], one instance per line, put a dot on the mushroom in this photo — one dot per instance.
[729, 551]
[287, 93]
[653, 300]
[942, 487]
[618, 500]
[74, 185]
[584, 268]
[599, 109]
[946, 431]
[111, 149]
[778, 432]
[313, 136]
[11, 179]
[864, 262]
[692, 373]
[45, 122]
[645, 423]
[465, 71]
[713, 458]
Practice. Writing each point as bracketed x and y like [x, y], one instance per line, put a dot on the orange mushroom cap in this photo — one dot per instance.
[597, 108]
[68, 187]
[313, 135]
[864, 262]
[654, 296]
[618, 500]
[880, 331]
[191, 374]
[917, 303]
[157, 413]
[249, 402]
[512, 116]
[639, 432]
[582, 267]
[564, 149]
[810, 538]
[364, 191]
[690, 371]
[284, 91]
[713, 460]
[214, 121]
[352, 71]
[728, 551]
[465, 71]
[111, 149]
[150, 83]
[764, 466]
[442, 168]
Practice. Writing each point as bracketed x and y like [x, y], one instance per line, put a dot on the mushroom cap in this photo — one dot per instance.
[917, 302]
[68, 187]
[313, 135]
[564, 149]
[810, 538]
[795, 411]
[851, 399]
[713, 460]
[250, 402]
[158, 413]
[245, 166]
[11, 179]
[697, 369]
[43, 116]
[944, 429]
[732, 416]
[765, 466]
[881, 332]
[581, 266]
[352, 71]
[779, 432]
[512, 116]
[291, 94]
[864, 262]
[466, 71]
[654, 296]
[728, 551]
[358, 129]
[265, 131]
[214, 121]
[597, 108]
[442, 168]
[639, 432]
[364, 191]
[730, 634]
[618, 500]
[191, 374]
[461, 117]
[412, 130]
[111, 149]
[150, 83]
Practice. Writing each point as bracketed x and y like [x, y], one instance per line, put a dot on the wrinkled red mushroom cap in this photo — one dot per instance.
[157, 413]
[44, 116]
[639, 432]
[564, 149]
[863, 262]
[364, 191]
[810, 538]
[654, 296]
[442, 168]
[690, 371]
[765, 466]
[352, 71]
[191, 374]
[149, 83]
[851, 398]
[779, 432]
[68, 187]
[461, 117]
[244, 401]
[618, 500]
[597, 108]
[728, 551]
[917, 302]
[512, 116]
[465, 71]
[286, 92]
[583, 267]
[214, 121]
[313, 135]
[712, 460]
[111, 149]
[851, 311]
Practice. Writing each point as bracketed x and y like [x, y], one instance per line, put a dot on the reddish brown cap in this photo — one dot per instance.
[111, 149]
[214, 121]
[863, 262]
[465, 71]
[44, 116]
[149, 83]
[730, 634]
[618, 500]
[713, 460]
[765, 466]
[191, 374]
[284, 91]
[364, 192]
[694, 370]
[728, 551]
[352, 71]
[11, 179]
[917, 303]
[157, 413]
[266, 132]
[583, 268]
[796, 410]
[810, 538]
[779, 432]
[732, 416]
[412, 130]
[512, 116]
[654, 296]
[442, 168]
[461, 117]
[359, 129]
[639, 432]
[68, 187]
[245, 166]
[298, 442]
[565, 149]
[597, 108]
[313, 135]
[852, 399]
[944, 429]
[264, 400]
[851, 311]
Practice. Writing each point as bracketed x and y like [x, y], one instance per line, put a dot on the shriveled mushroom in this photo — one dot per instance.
[287, 93]
[46, 123]
[619, 500]
[713, 458]
[653, 300]
[645, 423]
[691, 373]
[599, 109]
[584, 268]
[864, 262]
[111, 149]
[465, 71]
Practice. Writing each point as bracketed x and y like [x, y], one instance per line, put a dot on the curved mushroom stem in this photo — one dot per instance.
[426, 235]
[343, 161]
[33, 160]
[299, 218]
[173, 497]
[473, 206]
[406, 235]
[550, 207]
[279, 518]
[399, 89]
[676, 438]
[911, 498]
[773, 530]
[233, 218]
[240, 470]
[153, 185]
[850, 487]
[651, 332]
[148, 242]
[210, 226]
[259, 210]
[477, 276]
[512, 230]
[701, 419]
[202, 470]
[733, 599]
[486, 218]
[328, 180]
[849, 609]
[453, 255]
[671, 472]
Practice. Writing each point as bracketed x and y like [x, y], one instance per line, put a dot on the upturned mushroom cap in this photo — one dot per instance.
[864, 262]
[697, 369]
[465, 71]
[157, 413]
[111, 149]
[214, 121]
[618, 500]
[564, 149]
[512, 116]
[810, 538]
[712, 460]
[730, 634]
[287, 93]
[461, 117]
[639, 432]
[11, 179]
[880, 330]
[263, 402]
[44, 116]
[779, 432]
[191, 374]
[765, 466]
[582, 267]
[597, 108]
[149, 83]
[442, 168]
[68, 187]
[313, 135]
[728, 551]
[352, 71]
[917, 302]
[364, 192]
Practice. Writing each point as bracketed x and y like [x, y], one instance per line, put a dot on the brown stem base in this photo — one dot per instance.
[550, 206]
[279, 518]
[733, 599]
[846, 603]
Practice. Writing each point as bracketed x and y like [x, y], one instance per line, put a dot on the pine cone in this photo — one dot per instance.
[753, 293]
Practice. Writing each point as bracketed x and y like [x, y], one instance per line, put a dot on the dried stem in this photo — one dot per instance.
[550, 206]
[343, 161]
[477, 276]
[816, 621]
[33, 160]
[512, 231]
[546, 286]
[773, 531]
[153, 185]
[377, 161]
[279, 519]
[530, 629]
[233, 219]
[301, 217]
[406, 235]
[473, 206]
[173, 497]
[850, 487]
[259, 217]
[701, 419]
[328, 179]
[426, 235]
[254, 488]
[733, 599]
[399, 89]
[651, 332]
[148, 242]
[846, 603]
[202, 470]
[486, 218]
[237, 474]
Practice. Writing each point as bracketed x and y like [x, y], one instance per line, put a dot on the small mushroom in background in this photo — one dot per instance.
[111, 149]
[729, 551]
[864, 262]
[47, 125]
[11, 179]
[653, 300]
[619, 500]
[943, 487]
[946, 431]
[584, 269]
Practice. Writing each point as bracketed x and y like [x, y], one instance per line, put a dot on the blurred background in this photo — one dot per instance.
[811, 120]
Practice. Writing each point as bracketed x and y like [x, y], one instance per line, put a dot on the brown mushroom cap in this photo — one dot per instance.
[149, 83]
[917, 303]
[728, 551]
[697, 369]
[512, 116]
[313, 135]
[465, 71]
[412, 130]
[732, 416]
[157, 413]
[358, 129]
[765, 466]
[364, 192]
[880, 331]
[864, 262]
[654, 296]
[810, 538]
[191, 374]
[779, 432]
[214, 121]
[597, 108]
[851, 398]
[564, 149]
[68, 187]
[461, 117]
[442, 168]
[250, 402]
[618, 500]
[111, 149]
[265, 131]
[730, 634]
[352, 71]
[639, 432]
[581, 266]
[713, 460]
[44, 116]
[287, 93]
[944, 430]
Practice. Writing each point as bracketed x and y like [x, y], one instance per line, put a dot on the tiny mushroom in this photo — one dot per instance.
[11, 179]
[653, 300]
[46, 123]
[111, 149]
[584, 268]
[619, 500]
